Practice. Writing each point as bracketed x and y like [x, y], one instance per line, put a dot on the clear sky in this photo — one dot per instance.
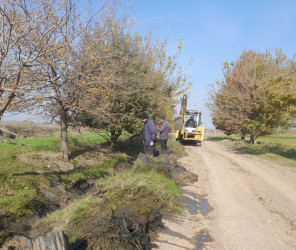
[214, 31]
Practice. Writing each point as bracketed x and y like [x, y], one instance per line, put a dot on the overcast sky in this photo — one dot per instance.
[214, 31]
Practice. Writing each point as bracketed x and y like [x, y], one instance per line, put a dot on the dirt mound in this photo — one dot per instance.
[113, 233]
[17, 242]
[169, 156]
[167, 165]
[93, 224]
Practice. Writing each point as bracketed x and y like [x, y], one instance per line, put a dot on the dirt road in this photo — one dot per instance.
[239, 202]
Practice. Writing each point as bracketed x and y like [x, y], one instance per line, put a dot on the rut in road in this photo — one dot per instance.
[253, 203]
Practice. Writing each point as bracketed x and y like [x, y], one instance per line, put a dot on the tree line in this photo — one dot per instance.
[257, 95]
[80, 65]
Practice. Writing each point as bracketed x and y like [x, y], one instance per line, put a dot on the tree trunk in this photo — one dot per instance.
[64, 135]
[253, 139]
[243, 137]
[115, 134]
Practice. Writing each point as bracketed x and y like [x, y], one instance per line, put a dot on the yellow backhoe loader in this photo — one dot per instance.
[188, 124]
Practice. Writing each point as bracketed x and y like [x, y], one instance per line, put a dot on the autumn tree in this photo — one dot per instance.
[124, 76]
[58, 72]
[26, 35]
[256, 95]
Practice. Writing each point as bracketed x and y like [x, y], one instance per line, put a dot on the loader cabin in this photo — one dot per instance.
[192, 120]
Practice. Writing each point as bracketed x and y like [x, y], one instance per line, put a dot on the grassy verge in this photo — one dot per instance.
[279, 149]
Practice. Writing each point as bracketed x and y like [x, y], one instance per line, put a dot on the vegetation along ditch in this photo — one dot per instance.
[101, 199]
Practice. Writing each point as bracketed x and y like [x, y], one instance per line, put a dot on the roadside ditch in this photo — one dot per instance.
[117, 207]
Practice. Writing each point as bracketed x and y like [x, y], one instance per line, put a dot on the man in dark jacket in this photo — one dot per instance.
[149, 135]
[164, 130]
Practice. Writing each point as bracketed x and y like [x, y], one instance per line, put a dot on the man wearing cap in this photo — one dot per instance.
[149, 135]
[163, 133]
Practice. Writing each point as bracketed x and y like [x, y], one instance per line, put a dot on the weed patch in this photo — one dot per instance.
[23, 203]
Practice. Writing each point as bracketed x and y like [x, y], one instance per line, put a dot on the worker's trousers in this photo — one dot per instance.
[163, 145]
[149, 150]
